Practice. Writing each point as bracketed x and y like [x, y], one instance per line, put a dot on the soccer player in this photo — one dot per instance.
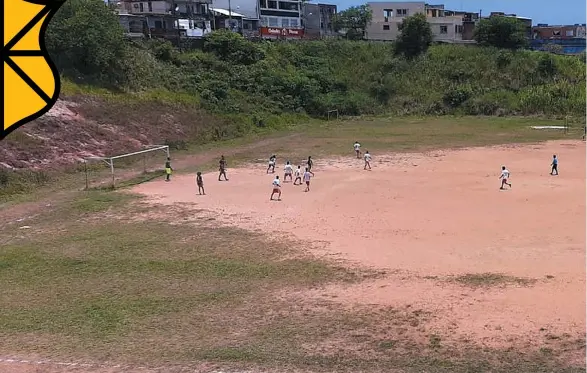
[307, 176]
[554, 165]
[200, 182]
[222, 168]
[272, 161]
[298, 176]
[505, 175]
[367, 157]
[276, 189]
[310, 163]
[288, 172]
[357, 147]
[168, 169]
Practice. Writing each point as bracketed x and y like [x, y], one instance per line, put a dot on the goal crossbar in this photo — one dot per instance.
[110, 160]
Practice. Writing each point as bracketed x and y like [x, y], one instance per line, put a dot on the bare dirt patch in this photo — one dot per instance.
[427, 216]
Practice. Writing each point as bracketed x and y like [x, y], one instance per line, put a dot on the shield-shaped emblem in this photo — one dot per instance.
[30, 79]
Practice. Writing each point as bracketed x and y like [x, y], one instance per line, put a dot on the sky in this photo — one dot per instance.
[541, 11]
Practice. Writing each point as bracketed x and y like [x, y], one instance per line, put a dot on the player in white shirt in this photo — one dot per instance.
[505, 175]
[298, 173]
[367, 157]
[288, 169]
[272, 161]
[357, 147]
[307, 176]
[276, 188]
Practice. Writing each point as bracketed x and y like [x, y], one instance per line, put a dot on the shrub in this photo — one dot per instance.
[456, 95]
[230, 46]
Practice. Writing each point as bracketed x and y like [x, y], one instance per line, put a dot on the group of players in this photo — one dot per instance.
[289, 172]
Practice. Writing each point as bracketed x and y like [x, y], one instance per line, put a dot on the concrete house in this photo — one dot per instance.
[447, 26]
[388, 16]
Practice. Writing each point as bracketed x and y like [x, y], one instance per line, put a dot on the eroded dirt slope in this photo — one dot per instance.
[78, 127]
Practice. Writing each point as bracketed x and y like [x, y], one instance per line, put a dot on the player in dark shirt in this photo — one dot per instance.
[200, 182]
[222, 169]
[168, 169]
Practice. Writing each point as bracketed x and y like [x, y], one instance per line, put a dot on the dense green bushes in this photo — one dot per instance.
[237, 77]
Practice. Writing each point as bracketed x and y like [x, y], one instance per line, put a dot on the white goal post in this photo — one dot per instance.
[332, 113]
[109, 161]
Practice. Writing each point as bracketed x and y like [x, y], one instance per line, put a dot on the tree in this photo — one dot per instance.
[85, 38]
[233, 47]
[501, 32]
[415, 36]
[353, 21]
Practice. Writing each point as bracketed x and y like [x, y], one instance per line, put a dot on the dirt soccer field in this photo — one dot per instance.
[420, 265]
[500, 268]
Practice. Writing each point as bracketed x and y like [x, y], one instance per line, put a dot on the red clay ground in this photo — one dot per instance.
[427, 218]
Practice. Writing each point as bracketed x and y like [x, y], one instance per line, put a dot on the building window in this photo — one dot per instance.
[293, 22]
[150, 5]
[443, 29]
[386, 27]
[401, 12]
[285, 22]
[288, 6]
[263, 3]
[387, 14]
[141, 7]
[272, 4]
[264, 21]
[570, 33]
[158, 24]
[458, 29]
[273, 22]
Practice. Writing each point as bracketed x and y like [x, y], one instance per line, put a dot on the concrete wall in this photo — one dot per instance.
[318, 20]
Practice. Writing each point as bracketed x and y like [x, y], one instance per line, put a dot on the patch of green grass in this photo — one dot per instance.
[105, 283]
[492, 279]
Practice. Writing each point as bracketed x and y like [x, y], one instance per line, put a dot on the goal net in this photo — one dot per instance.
[125, 169]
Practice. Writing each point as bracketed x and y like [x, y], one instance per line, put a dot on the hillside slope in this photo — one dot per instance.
[235, 86]
[85, 126]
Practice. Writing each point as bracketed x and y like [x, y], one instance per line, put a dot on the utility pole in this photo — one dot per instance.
[229, 15]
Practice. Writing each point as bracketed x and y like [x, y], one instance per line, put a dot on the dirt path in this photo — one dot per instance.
[428, 219]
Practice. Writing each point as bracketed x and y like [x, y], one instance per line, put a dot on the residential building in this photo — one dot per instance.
[171, 19]
[281, 19]
[447, 26]
[134, 25]
[317, 20]
[388, 17]
[571, 38]
[470, 21]
[547, 32]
